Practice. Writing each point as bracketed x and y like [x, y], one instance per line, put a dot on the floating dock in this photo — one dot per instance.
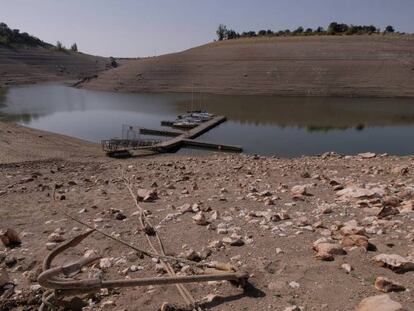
[210, 145]
[187, 138]
[178, 140]
[157, 132]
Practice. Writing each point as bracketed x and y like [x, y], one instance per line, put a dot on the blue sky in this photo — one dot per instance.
[128, 28]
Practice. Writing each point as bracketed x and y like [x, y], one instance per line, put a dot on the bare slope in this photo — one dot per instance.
[21, 144]
[344, 66]
[26, 64]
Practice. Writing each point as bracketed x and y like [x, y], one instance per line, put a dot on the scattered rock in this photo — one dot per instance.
[326, 251]
[294, 284]
[400, 170]
[212, 298]
[9, 238]
[351, 227]
[51, 245]
[105, 263]
[347, 267]
[394, 262]
[4, 278]
[354, 192]
[55, 237]
[120, 216]
[386, 285]
[144, 195]
[378, 303]
[233, 240]
[387, 211]
[108, 304]
[200, 219]
[367, 155]
[355, 240]
[299, 190]
[192, 255]
[10, 261]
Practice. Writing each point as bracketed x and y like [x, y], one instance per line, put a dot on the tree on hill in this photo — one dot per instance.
[336, 28]
[308, 31]
[59, 46]
[14, 37]
[74, 47]
[319, 30]
[389, 28]
[231, 34]
[249, 34]
[298, 30]
[221, 32]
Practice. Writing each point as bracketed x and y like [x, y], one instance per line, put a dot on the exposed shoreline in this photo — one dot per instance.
[337, 66]
[21, 144]
[30, 65]
[354, 66]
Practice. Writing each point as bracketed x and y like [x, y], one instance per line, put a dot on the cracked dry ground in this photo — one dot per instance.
[266, 216]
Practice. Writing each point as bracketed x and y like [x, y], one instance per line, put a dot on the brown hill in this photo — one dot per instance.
[374, 65]
[31, 64]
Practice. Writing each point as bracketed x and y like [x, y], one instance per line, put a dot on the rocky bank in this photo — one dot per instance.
[328, 232]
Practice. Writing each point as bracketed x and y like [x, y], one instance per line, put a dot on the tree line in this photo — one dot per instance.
[61, 47]
[334, 28]
[9, 37]
[14, 36]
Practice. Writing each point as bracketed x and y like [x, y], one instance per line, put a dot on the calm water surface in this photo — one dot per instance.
[283, 126]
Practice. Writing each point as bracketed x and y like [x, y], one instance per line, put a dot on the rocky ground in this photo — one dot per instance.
[314, 233]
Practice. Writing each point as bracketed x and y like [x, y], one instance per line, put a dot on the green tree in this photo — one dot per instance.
[389, 28]
[74, 47]
[298, 30]
[319, 30]
[231, 34]
[59, 46]
[221, 32]
[308, 31]
[352, 30]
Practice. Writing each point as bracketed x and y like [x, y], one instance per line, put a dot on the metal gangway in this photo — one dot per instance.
[131, 140]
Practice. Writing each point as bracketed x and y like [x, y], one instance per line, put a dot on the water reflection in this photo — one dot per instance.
[262, 124]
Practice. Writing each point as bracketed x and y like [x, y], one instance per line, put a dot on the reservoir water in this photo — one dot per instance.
[269, 125]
